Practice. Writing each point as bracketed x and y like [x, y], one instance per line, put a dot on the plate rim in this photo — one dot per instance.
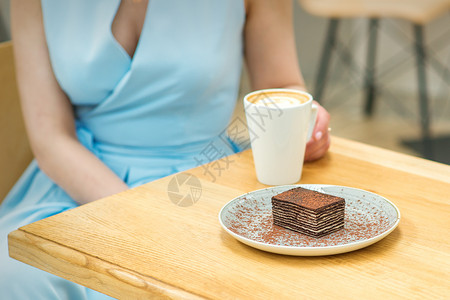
[307, 249]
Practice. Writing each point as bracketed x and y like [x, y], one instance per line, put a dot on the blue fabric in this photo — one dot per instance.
[145, 116]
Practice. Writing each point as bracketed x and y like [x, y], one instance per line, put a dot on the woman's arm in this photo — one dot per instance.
[49, 116]
[271, 57]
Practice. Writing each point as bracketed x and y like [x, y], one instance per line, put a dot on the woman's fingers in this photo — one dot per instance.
[320, 141]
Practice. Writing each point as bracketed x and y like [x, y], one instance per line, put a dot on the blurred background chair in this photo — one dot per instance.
[15, 153]
[417, 12]
[4, 20]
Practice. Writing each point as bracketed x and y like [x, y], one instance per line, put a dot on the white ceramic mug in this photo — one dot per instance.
[280, 123]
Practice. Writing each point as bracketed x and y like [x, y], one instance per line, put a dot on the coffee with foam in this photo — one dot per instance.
[279, 139]
[278, 99]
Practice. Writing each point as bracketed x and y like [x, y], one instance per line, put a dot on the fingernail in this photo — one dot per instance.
[318, 135]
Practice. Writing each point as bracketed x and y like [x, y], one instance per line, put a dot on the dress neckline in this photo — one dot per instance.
[127, 56]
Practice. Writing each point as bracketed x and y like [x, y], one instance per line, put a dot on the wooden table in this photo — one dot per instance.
[139, 244]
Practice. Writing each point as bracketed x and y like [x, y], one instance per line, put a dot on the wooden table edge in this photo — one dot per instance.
[391, 159]
[32, 249]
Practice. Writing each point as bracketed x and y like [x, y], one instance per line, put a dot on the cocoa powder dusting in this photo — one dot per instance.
[307, 198]
[254, 221]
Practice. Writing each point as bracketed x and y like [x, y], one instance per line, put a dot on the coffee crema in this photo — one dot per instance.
[278, 99]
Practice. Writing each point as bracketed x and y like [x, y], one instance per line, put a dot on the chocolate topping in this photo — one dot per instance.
[307, 198]
[308, 212]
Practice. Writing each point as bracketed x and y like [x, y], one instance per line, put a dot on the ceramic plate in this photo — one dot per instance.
[368, 218]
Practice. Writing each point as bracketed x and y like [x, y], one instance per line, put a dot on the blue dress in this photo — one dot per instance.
[145, 116]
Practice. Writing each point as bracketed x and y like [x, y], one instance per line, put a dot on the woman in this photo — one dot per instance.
[118, 93]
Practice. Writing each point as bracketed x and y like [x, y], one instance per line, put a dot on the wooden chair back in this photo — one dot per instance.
[15, 152]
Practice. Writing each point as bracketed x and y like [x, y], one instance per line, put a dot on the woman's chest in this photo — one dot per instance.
[195, 42]
[128, 23]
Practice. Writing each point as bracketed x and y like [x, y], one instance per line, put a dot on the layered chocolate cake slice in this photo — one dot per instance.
[308, 212]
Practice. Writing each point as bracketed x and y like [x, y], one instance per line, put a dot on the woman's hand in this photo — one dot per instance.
[319, 143]
[271, 57]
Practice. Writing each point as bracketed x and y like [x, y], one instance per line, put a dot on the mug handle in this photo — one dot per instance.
[312, 120]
